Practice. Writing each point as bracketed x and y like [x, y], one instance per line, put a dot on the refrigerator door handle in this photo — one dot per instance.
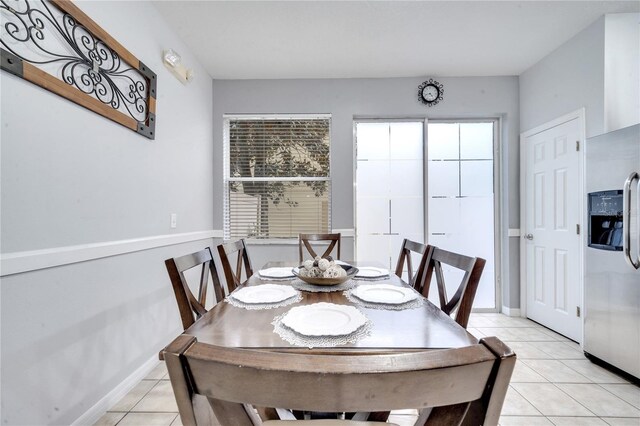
[638, 219]
[626, 220]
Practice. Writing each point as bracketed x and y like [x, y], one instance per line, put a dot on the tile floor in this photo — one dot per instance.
[552, 384]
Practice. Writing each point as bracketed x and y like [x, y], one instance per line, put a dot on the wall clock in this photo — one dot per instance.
[430, 92]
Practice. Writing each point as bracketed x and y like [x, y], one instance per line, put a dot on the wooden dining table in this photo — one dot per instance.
[423, 328]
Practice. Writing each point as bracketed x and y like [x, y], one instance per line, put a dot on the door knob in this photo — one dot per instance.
[529, 236]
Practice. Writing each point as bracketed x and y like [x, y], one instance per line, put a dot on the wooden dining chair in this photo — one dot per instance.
[191, 307]
[233, 276]
[415, 276]
[304, 240]
[448, 386]
[462, 299]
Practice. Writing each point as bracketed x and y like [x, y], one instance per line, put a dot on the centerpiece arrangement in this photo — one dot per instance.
[324, 271]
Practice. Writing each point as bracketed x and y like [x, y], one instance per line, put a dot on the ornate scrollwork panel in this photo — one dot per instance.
[52, 43]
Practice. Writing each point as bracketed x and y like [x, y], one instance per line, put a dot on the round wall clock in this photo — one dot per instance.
[430, 92]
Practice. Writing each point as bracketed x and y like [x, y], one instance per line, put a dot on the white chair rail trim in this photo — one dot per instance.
[26, 261]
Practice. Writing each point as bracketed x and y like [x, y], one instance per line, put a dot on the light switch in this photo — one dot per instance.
[174, 220]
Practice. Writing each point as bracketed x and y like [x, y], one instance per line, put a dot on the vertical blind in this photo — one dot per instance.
[277, 177]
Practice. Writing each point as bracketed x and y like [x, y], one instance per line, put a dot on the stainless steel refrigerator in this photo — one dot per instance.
[612, 251]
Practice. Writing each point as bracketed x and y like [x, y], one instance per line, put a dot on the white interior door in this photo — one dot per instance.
[389, 188]
[552, 244]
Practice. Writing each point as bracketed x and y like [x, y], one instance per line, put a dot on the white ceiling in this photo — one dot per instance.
[355, 39]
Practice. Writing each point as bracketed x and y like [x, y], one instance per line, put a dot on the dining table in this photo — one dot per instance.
[420, 328]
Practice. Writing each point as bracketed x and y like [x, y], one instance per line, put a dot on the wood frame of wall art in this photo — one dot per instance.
[44, 39]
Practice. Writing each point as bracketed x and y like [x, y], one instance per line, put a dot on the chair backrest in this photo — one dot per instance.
[415, 277]
[466, 384]
[304, 240]
[190, 306]
[462, 299]
[233, 276]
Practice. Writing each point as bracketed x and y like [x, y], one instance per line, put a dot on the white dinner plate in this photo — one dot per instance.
[265, 293]
[371, 272]
[385, 293]
[278, 272]
[324, 319]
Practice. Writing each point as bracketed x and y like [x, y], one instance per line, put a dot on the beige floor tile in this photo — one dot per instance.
[177, 421]
[147, 419]
[559, 350]
[621, 421]
[517, 334]
[555, 371]
[159, 399]
[159, 372]
[134, 396]
[525, 350]
[555, 335]
[524, 421]
[577, 421]
[628, 392]
[109, 419]
[550, 400]
[516, 405]
[524, 374]
[402, 419]
[408, 411]
[593, 372]
[599, 400]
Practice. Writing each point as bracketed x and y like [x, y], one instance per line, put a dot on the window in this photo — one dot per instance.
[276, 177]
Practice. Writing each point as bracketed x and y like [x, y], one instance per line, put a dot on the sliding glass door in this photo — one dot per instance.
[461, 199]
[389, 188]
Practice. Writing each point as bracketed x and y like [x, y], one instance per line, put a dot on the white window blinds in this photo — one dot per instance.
[277, 180]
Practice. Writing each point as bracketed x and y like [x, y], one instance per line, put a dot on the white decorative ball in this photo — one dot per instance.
[331, 272]
[323, 264]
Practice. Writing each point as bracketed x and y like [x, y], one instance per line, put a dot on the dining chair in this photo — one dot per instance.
[415, 277]
[191, 307]
[462, 299]
[448, 386]
[304, 240]
[233, 276]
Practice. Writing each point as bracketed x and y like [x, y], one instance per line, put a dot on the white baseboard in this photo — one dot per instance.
[100, 408]
[511, 312]
[26, 261]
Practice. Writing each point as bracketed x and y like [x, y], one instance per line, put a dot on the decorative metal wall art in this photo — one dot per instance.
[55, 45]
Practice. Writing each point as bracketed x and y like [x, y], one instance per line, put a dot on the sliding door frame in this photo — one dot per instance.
[499, 258]
[414, 119]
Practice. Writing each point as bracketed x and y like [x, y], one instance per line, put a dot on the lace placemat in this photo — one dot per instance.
[412, 304]
[269, 279]
[258, 306]
[357, 278]
[298, 284]
[311, 342]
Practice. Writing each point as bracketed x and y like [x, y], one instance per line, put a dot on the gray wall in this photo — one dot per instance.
[569, 78]
[72, 333]
[346, 99]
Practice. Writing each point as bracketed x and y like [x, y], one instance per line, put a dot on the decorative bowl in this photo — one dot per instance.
[351, 272]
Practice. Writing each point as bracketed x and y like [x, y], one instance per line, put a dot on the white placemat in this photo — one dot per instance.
[303, 286]
[371, 272]
[299, 339]
[295, 298]
[276, 273]
[413, 304]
